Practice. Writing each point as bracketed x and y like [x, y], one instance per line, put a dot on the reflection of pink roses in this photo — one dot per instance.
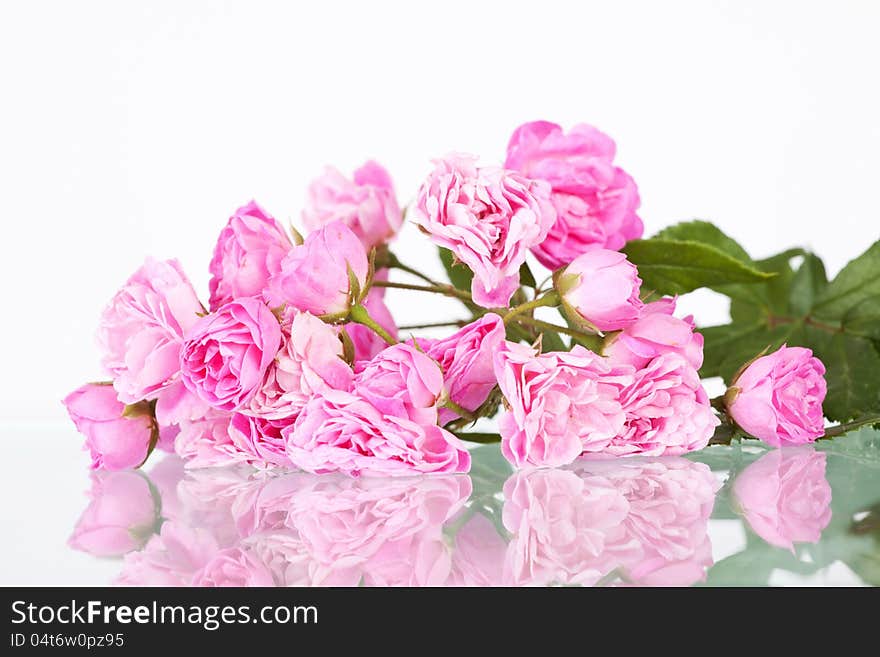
[785, 497]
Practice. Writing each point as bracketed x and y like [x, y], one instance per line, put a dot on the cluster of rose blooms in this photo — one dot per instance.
[296, 361]
[624, 521]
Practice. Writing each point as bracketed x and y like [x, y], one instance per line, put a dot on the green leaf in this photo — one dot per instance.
[730, 346]
[856, 283]
[852, 364]
[526, 277]
[459, 274]
[752, 303]
[807, 284]
[864, 319]
[705, 233]
[550, 341]
[679, 266]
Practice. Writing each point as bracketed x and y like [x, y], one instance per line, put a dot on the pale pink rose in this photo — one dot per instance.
[778, 397]
[602, 287]
[248, 252]
[466, 360]
[478, 555]
[343, 431]
[176, 404]
[365, 204]
[121, 516]
[233, 567]
[208, 443]
[560, 404]
[309, 361]
[367, 342]
[562, 526]
[785, 497]
[488, 217]
[656, 332]
[142, 329]
[314, 275]
[165, 476]
[260, 438]
[227, 353]
[595, 201]
[170, 558]
[667, 411]
[401, 381]
[114, 442]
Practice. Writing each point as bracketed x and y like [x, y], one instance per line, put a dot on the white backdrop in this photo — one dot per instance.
[129, 129]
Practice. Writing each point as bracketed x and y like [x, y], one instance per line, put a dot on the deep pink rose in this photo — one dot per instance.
[142, 329]
[367, 342]
[314, 275]
[248, 252]
[656, 332]
[233, 567]
[560, 404]
[778, 397]
[466, 360]
[226, 353]
[309, 361]
[115, 442]
[343, 431]
[785, 497]
[366, 204]
[401, 381]
[602, 287]
[488, 217]
[667, 410]
[121, 515]
[595, 201]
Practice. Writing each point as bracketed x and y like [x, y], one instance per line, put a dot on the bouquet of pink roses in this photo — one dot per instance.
[297, 361]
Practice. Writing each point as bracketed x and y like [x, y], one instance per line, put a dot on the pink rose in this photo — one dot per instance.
[466, 360]
[115, 442]
[342, 431]
[560, 404]
[208, 442]
[601, 287]
[478, 557]
[488, 217]
[656, 332]
[785, 497]
[121, 516]
[667, 411]
[226, 353]
[401, 381]
[595, 201]
[170, 558]
[314, 275]
[366, 204]
[142, 329]
[367, 342]
[309, 361]
[249, 251]
[260, 438]
[778, 397]
[233, 567]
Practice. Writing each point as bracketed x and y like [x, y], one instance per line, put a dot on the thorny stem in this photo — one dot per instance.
[397, 264]
[458, 322]
[549, 299]
[448, 290]
[479, 437]
[359, 315]
[547, 326]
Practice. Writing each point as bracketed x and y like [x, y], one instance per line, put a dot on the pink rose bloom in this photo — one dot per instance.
[249, 251]
[260, 438]
[778, 397]
[488, 217]
[120, 518]
[401, 381]
[115, 442]
[466, 360]
[667, 411]
[595, 201]
[309, 361]
[233, 567]
[314, 275]
[560, 404]
[478, 557]
[208, 442]
[656, 332]
[227, 353]
[176, 404]
[366, 204]
[785, 497]
[601, 287]
[343, 431]
[142, 329]
[367, 343]
[170, 558]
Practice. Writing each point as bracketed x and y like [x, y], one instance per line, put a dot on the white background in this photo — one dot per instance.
[129, 129]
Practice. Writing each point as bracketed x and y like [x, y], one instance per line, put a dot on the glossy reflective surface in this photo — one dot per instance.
[739, 515]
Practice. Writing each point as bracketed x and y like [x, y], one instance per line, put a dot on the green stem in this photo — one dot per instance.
[439, 288]
[547, 326]
[397, 264]
[458, 322]
[359, 315]
[549, 299]
[460, 410]
[841, 429]
[479, 437]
